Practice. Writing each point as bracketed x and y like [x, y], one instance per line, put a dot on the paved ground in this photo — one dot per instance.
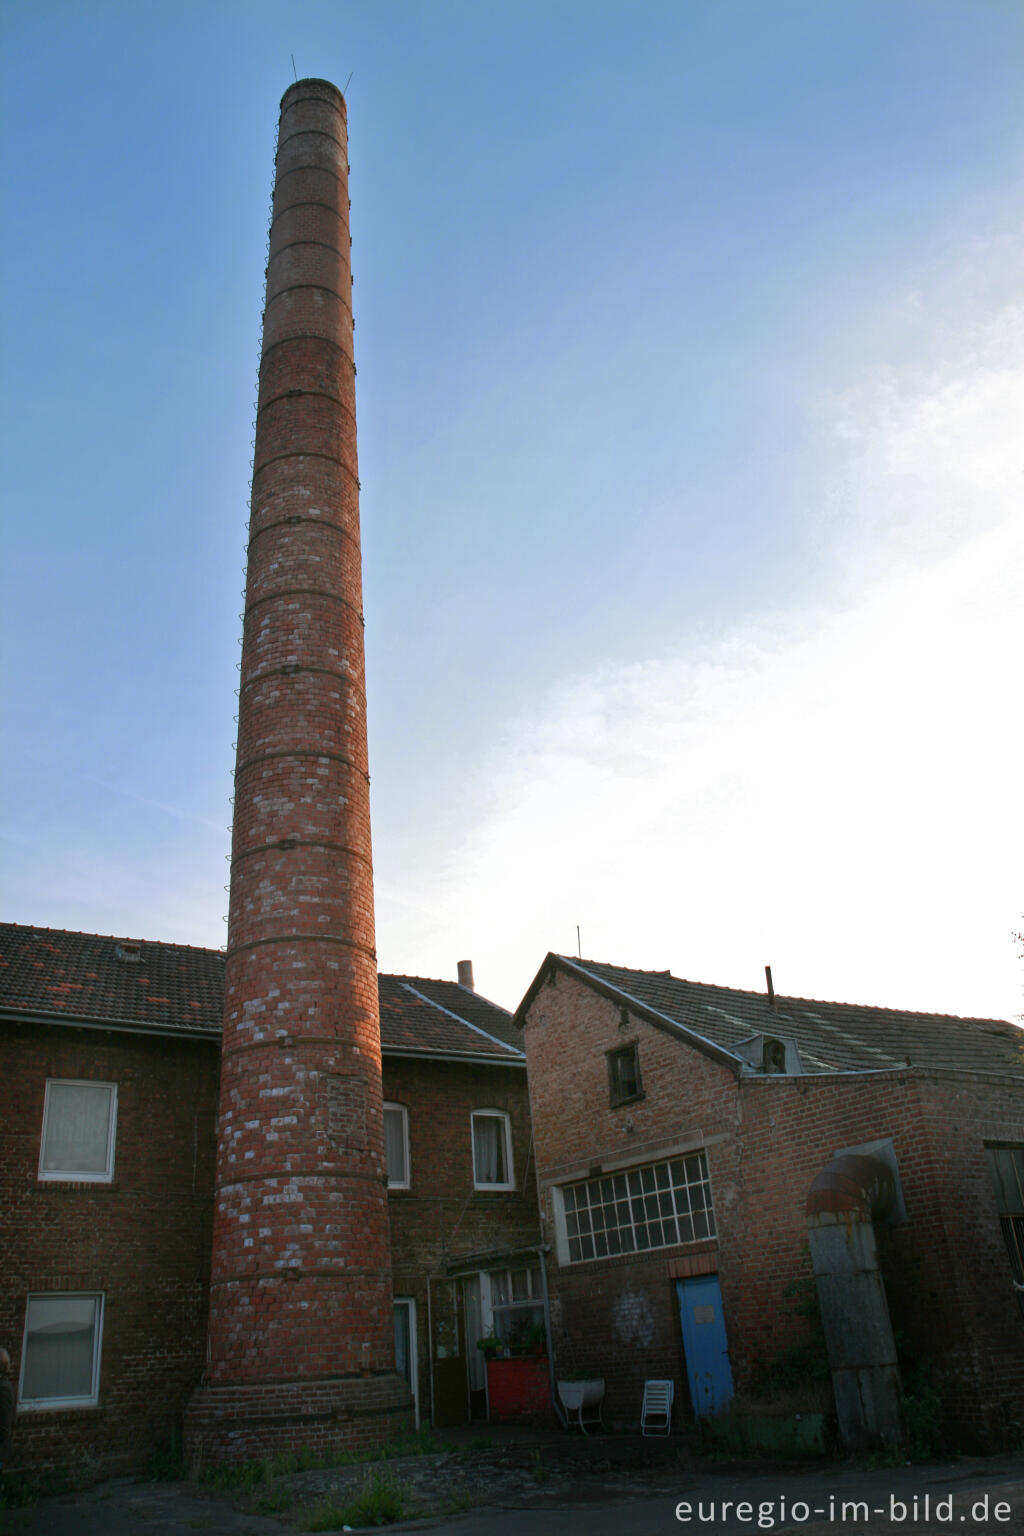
[525, 1483]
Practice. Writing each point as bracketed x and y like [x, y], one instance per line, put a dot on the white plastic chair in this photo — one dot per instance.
[656, 1414]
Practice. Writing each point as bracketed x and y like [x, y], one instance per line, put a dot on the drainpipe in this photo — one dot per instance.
[560, 1413]
[843, 1203]
[430, 1350]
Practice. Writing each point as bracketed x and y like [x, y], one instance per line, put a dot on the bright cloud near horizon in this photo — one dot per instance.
[831, 788]
[691, 356]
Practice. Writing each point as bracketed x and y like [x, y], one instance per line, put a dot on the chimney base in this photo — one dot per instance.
[254, 1421]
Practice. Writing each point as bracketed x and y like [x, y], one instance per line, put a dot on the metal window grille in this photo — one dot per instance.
[656, 1206]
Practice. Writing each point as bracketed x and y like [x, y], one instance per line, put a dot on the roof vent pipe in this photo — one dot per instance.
[466, 975]
[771, 989]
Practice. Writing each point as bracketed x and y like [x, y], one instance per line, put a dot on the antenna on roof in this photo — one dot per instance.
[579, 949]
[771, 989]
[348, 82]
[294, 70]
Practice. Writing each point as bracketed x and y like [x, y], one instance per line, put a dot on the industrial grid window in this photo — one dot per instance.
[1006, 1165]
[655, 1206]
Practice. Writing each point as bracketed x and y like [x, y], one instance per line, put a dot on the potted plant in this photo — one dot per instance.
[536, 1340]
[490, 1346]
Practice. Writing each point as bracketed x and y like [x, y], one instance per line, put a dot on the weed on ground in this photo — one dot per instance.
[380, 1501]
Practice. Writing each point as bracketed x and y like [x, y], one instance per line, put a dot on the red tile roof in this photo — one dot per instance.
[52, 976]
[830, 1037]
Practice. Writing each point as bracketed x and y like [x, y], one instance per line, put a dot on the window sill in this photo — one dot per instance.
[76, 1186]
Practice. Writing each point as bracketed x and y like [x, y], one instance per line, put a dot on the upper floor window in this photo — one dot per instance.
[79, 1122]
[396, 1145]
[624, 1075]
[1006, 1165]
[652, 1207]
[492, 1149]
[60, 1362]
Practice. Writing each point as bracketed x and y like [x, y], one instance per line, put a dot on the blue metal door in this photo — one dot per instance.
[705, 1343]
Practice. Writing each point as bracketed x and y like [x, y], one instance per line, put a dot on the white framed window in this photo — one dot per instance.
[396, 1145]
[79, 1126]
[656, 1206]
[492, 1149]
[60, 1361]
[517, 1306]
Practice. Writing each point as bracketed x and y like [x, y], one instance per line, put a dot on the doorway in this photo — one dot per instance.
[708, 1372]
[405, 1347]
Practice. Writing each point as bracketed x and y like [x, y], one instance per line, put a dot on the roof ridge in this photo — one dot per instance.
[789, 997]
[460, 1020]
[113, 938]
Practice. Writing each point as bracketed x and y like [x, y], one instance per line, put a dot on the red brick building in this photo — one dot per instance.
[679, 1129]
[108, 1116]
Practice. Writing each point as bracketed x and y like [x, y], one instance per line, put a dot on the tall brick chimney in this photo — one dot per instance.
[301, 1341]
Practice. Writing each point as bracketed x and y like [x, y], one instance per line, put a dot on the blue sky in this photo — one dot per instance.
[690, 357]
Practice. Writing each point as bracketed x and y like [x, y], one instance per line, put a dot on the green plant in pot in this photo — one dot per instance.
[536, 1340]
[490, 1346]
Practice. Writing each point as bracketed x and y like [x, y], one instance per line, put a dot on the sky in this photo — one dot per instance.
[690, 346]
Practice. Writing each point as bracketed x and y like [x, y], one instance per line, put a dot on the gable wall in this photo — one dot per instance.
[617, 1317]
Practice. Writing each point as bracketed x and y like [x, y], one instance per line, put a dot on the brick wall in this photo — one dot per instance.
[300, 1284]
[441, 1217]
[142, 1240]
[617, 1317]
[766, 1138]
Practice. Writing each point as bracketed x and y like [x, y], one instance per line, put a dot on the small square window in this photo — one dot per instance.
[492, 1149]
[60, 1363]
[79, 1121]
[396, 1145]
[624, 1075]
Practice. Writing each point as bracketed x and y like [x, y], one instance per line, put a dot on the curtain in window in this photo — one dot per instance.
[489, 1149]
[59, 1347]
[77, 1128]
[474, 1330]
[394, 1146]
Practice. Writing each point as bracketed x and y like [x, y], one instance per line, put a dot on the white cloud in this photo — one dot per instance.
[834, 790]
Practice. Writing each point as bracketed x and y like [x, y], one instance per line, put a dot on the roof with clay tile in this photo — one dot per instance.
[50, 975]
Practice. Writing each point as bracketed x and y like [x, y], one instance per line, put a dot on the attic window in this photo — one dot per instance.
[624, 1075]
[774, 1057]
[128, 954]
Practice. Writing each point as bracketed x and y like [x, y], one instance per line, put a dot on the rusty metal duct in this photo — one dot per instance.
[848, 1196]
